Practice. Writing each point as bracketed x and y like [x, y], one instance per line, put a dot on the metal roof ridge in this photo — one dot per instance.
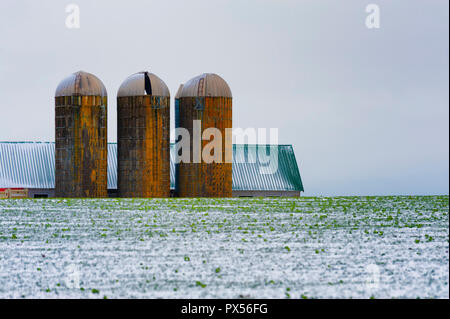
[25, 142]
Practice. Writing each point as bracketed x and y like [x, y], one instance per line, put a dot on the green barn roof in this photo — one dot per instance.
[32, 165]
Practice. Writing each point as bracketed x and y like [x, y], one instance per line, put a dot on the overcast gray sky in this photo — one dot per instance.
[366, 110]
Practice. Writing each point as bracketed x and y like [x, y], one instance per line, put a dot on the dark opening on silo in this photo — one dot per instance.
[143, 137]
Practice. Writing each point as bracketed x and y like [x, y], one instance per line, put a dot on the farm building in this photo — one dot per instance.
[27, 169]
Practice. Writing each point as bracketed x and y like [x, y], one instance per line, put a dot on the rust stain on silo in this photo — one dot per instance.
[81, 137]
[143, 128]
[206, 98]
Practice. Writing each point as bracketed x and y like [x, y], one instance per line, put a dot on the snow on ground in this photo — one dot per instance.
[341, 247]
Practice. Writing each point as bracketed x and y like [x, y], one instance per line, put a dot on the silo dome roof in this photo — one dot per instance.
[206, 84]
[143, 83]
[180, 89]
[81, 83]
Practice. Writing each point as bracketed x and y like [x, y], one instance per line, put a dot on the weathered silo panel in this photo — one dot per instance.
[206, 98]
[143, 137]
[81, 137]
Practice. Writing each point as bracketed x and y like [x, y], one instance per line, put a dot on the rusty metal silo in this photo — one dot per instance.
[81, 137]
[143, 137]
[206, 98]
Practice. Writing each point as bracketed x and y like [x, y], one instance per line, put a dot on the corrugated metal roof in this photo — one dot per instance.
[32, 165]
[206, 84]
[134, 85]
[81, 83]
[265, 168]
[27, 165]
[112, 166]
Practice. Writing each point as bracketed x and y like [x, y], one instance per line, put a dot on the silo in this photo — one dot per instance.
[206, 98]
[81, 137]
[143, 137]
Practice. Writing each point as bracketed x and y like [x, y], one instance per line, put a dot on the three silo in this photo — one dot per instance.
[205, 102]
[81, 137]
[143, 137]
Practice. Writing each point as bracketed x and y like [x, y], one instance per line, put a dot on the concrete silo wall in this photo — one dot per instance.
[205, 179]
[143, 146]
[81, 146]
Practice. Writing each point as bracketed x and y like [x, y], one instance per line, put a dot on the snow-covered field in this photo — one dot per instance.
[341, 247]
